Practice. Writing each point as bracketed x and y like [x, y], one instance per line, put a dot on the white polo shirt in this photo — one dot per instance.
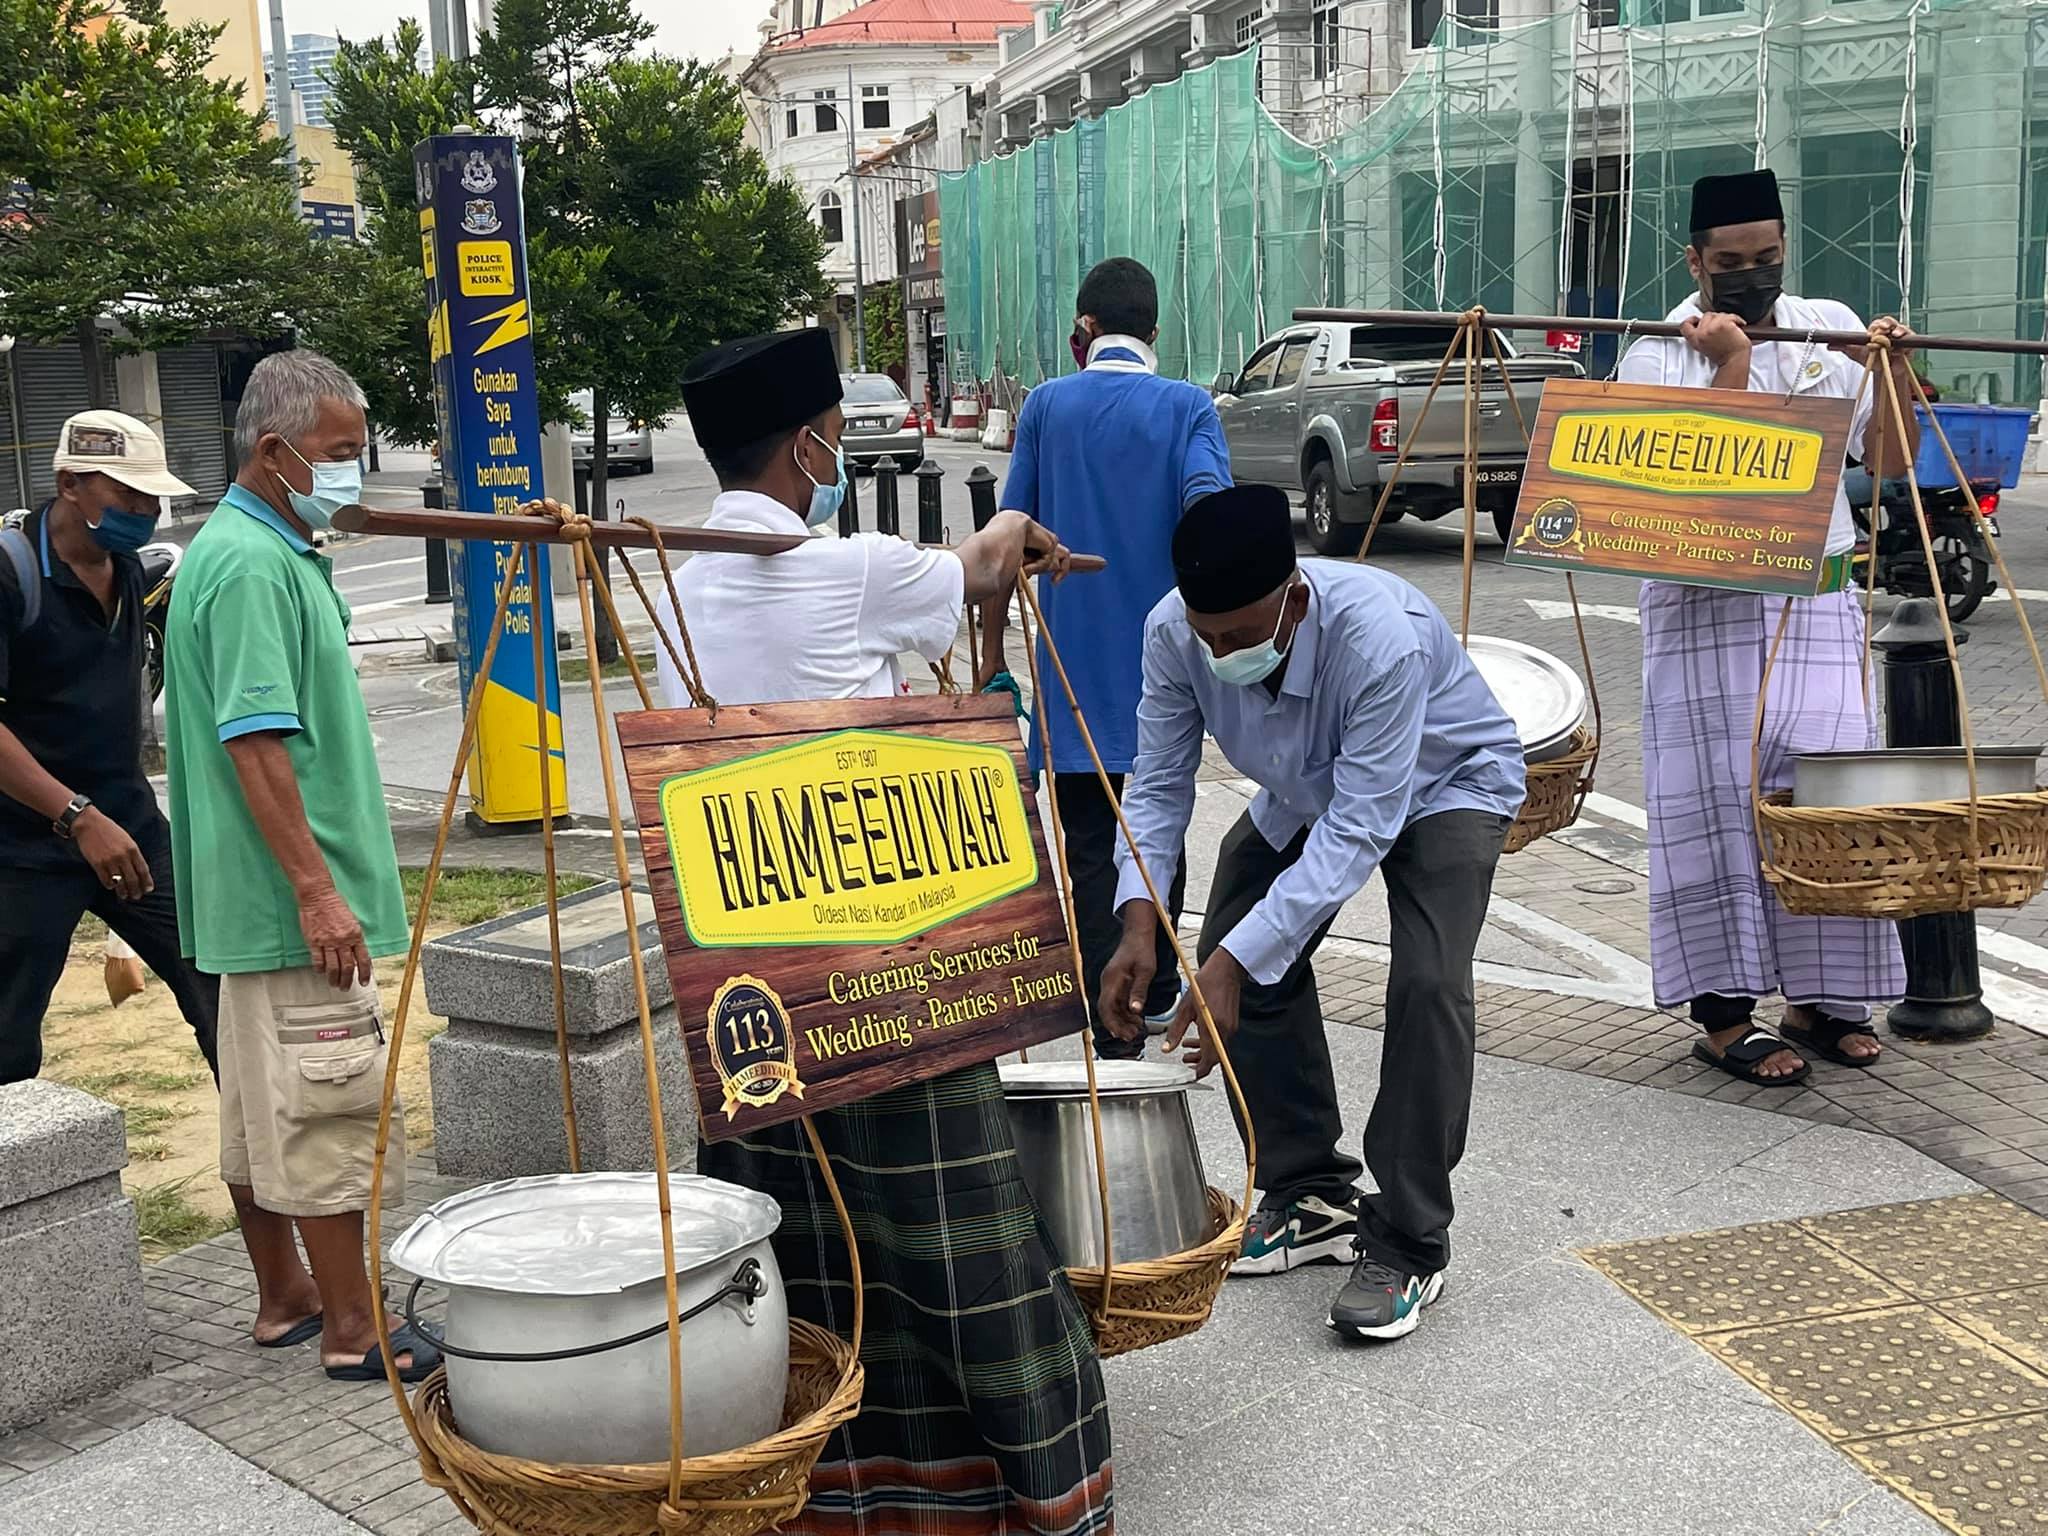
[826, 620]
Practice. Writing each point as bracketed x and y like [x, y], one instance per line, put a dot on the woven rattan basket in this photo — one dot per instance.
[1557, 788]
[1154, 1300]
[1904, 860]
[734, 1493]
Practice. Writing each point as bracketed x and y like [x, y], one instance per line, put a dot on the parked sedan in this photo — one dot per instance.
[879, 422]
[628, 444]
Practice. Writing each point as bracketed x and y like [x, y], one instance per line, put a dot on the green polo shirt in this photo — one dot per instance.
[258, 641]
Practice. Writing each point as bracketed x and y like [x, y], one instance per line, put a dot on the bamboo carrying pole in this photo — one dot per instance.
[1601, 325]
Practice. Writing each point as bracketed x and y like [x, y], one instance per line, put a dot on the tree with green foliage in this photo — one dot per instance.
[888, 343]
[383, 104]
[653, 230]
[143, 192]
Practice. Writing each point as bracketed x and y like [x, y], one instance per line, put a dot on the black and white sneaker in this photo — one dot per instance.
[1309, 1231]
[1381, 1301]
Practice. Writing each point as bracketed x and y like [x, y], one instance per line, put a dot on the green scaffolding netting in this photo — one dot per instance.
[1544, 168]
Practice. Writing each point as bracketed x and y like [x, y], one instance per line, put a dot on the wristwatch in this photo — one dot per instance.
[68, 817]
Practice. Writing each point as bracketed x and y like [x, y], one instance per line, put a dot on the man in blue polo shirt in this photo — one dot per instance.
[1108, 458]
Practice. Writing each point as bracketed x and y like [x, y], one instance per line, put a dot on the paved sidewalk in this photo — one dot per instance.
[1538, 1395]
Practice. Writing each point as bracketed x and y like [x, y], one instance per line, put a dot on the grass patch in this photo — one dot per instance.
[148, 1119]
[167, 1221]
[90, 930]
[104, 1083]
[465, 896]
[147, 1149]
[576, 669]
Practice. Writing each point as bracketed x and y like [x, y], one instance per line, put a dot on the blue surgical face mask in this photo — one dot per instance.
[120, 531]
[1255, 663]
[334, 486]
[825, 499]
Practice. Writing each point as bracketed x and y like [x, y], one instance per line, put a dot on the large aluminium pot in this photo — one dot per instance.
[1908, 775]
[1158, 1198]
[540, 1270]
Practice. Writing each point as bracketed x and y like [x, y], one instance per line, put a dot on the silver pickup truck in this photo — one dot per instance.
[1325, 409]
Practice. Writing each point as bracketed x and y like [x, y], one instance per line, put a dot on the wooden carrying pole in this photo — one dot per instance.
[638, 534]
[1590, 324]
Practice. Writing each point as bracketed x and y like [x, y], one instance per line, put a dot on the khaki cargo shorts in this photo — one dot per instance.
[301, 1077]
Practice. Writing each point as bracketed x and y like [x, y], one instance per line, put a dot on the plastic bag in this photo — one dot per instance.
[123, 971]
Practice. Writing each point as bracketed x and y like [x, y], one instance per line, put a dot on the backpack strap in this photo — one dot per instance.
[17, 553]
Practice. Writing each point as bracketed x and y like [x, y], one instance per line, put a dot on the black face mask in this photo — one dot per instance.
[1749, 294]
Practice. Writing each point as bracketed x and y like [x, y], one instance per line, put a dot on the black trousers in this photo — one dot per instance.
[1439, 877]
[40, 908]
[1092, 837]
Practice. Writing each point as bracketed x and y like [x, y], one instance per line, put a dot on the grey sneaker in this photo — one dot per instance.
[1310, 1231]
[1380, 1301]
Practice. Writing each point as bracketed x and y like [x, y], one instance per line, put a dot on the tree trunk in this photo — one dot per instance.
[92, 359]
[600, 509]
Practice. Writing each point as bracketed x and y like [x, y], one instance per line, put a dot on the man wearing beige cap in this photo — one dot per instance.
[79, 826]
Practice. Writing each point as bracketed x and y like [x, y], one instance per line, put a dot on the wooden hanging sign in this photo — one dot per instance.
[1705, 487]
[853, 895]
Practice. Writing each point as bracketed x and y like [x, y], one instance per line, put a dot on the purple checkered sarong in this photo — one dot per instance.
[1715, 925]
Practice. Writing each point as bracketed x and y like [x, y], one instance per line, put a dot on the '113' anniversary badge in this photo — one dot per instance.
[750, 1045]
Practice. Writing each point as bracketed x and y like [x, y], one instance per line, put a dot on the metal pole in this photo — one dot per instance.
[281, 75]
[437, 27]
[931, 511]
[849, 509]
[458, 28]
[860, 305]
[438, 590]
[1944, 989]
[981, 495]
[886, 516]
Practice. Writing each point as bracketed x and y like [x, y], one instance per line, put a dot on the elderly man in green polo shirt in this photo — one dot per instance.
[287, 878]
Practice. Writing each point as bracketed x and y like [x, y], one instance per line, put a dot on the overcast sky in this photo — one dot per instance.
[707, 29]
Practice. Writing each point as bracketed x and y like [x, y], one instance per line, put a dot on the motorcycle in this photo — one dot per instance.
[159, 569]
[1896, 562]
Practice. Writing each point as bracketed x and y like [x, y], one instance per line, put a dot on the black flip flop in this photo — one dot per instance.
[404, 1340]
[305, 1328]
[1825, 1039]
[1742, 1059]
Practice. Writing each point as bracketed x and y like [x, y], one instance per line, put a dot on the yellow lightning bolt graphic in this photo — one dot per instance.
[437, 333]
[512, 324]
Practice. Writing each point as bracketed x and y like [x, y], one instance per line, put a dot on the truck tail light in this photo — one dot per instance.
[1386, 427]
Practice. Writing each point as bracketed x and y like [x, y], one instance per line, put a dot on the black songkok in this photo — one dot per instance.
[1233, 547]
[742, 391]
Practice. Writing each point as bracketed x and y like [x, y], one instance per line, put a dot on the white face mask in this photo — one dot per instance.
[334, 486]
[1255, 663]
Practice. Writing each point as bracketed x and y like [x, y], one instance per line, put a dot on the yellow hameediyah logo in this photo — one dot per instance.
[1686, 453]
[860, 837]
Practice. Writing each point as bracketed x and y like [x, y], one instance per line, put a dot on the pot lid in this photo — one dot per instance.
[580, 1234]
[1062, 1079]
[1541, 694]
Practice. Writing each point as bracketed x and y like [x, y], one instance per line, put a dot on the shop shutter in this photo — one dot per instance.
[188, 382]
[51, 382]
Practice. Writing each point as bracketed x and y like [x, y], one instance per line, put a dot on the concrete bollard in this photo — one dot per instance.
[73, 1321]
[495, 1072]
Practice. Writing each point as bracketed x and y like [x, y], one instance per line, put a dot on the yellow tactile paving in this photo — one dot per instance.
[1936, 1249]
[1743, 1277]
[1882, 1373]
[2016, 1321]
[1915, 1337]
[1980, 1479]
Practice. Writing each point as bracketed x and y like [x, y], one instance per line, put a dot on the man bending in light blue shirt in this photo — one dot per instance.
[1342, 692]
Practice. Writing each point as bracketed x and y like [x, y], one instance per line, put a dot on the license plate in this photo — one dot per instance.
[873, 423]
[1500, 477]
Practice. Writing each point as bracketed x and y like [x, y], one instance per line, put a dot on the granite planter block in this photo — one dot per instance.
[495, 1072]
[73, 1323]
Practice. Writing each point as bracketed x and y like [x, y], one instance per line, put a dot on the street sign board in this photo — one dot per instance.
[853, 895]
[480, 331]
[1705, 487]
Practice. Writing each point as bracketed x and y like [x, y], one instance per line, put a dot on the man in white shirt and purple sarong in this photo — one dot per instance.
[1719, 937]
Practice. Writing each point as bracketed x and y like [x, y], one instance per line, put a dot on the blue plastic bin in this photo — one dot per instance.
[1990, 443]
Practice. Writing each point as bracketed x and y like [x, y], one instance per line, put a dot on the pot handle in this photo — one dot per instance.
[747, 1283]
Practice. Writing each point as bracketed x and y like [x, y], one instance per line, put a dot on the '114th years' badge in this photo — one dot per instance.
[750, 1044]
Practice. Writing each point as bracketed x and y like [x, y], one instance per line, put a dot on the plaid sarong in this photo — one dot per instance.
[1715, 925]
[984, 1411]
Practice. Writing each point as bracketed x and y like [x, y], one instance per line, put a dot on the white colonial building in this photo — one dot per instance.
[837, 90]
